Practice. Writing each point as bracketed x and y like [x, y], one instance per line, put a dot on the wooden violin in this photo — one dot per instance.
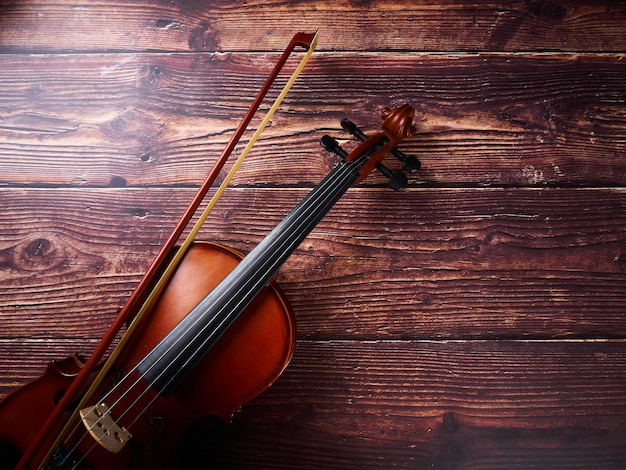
[219, 334]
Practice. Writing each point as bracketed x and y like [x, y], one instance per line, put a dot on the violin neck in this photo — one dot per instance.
[176, 355]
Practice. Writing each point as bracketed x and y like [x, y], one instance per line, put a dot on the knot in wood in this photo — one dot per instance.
[38, 247]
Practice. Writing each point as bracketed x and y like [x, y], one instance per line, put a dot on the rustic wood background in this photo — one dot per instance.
[474, 320]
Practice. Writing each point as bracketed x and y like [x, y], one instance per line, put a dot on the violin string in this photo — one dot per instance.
[343, 177]
[310, 49]
[253, 284]
[323, 193]
[87, 430]
[296, 222]
[82, 458]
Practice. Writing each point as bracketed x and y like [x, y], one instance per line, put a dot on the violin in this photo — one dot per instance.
[218, 334]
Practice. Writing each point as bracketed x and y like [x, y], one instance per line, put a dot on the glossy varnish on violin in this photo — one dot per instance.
[132, 380]
[248, 358]
[477, 320]
[219, 334]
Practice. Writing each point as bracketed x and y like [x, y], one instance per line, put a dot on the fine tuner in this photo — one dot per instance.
[396, 180]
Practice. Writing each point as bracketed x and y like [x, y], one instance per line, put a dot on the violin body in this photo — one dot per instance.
[244, 362]
[218, 335]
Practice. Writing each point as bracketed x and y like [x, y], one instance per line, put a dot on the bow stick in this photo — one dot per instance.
[160, 271]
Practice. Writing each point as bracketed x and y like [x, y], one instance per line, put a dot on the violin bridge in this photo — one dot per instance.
[103, 428]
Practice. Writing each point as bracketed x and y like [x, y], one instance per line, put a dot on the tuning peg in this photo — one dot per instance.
[353, 129]
[332, 145]
[410, 163]
[396, 180]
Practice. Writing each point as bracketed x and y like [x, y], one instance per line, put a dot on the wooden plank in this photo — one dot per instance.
[162, 119]
[475, 320]
[386, 404]
[255, 25]
[423, 263]
[23, 361]
[422, 404]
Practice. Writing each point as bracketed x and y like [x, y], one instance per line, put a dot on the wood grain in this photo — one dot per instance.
[474, 320]
[458, 404]
[346, 25]
[424, 404]
[453, 263]
[494, 119]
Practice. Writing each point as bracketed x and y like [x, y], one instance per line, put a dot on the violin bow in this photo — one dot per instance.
[163, 266]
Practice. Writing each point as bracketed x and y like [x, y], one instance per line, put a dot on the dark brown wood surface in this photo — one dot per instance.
[476, 319]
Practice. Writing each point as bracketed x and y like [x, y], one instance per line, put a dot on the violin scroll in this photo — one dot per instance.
[397, 125]
[399, 122]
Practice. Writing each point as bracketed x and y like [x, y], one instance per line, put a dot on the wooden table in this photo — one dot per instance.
[474, 320]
